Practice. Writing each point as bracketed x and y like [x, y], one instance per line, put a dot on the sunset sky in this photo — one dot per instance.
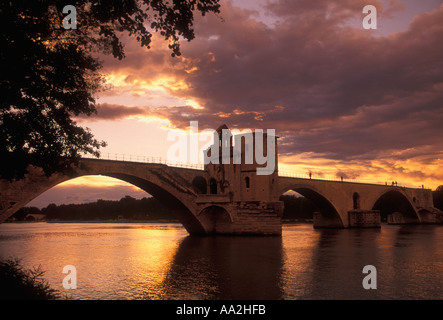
[345, 101]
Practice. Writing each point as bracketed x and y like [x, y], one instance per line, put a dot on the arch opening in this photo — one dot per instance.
[216, 220]
[325, 216]
[200, 186]
[395, 208]
[172, 203]
[178, 209]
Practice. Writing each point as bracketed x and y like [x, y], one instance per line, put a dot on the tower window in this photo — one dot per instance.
[213, 186]
[356, 200]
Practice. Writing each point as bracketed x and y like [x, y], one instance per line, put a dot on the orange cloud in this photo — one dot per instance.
[348, 102]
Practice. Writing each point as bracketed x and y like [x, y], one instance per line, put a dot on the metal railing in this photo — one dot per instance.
[144, 159]
[288, 174]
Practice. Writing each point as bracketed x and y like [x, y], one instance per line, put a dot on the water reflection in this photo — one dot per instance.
[132, 261]
[337, 261]
[415, 267]
[226, 268]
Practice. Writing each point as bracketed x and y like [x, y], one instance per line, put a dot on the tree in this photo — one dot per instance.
[19, 283]
[50, 74]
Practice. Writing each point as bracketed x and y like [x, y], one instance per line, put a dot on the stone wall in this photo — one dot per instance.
[396, 218]
[257, 224]
[427, 217]
[364, 219]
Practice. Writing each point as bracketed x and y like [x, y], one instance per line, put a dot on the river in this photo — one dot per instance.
[161, 261]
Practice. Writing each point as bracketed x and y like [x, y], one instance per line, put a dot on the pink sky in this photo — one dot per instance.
[363, 104]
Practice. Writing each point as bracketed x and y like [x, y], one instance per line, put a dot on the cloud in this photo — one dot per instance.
[107, 111]
[331, 89]
[337, 86]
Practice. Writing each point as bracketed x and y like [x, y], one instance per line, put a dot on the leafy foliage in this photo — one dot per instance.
[127, 207]
[50, 74]
[297, 207]
[21, 284]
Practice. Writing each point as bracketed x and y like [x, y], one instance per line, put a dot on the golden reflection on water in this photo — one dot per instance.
[160, 261]
[113, 261]
[150, 260]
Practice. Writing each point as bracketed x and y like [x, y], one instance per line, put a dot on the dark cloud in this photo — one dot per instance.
[326, 85]
[340, 91]
[107, 111]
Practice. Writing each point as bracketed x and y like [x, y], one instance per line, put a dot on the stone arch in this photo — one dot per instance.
[158, 180]
[396, 208]
[328, 215]
[216, 220]
[199, 184]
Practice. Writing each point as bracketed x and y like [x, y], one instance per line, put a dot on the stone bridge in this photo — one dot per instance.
[233, 199]
[350, 204]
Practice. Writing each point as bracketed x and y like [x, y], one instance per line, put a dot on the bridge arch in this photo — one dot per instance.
[216, 219]
[168, 186]
[328, 215]
[200, 185]
[396, 207]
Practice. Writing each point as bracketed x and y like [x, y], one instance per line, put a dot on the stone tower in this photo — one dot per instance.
[242, 175]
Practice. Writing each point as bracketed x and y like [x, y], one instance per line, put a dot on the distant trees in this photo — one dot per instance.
[298, 207]
[23, 212]
[128, 208]
[147, 209]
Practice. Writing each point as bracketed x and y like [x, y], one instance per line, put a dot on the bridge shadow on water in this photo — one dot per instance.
[307, 263]
[226, 267]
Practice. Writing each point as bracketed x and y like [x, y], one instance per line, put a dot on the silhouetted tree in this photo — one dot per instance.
[23, 212]
[51, 211]
[19, 283]
[298, 207]
[49, 74]
[128, 207]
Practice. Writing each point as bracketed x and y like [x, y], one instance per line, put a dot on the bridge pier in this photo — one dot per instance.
[241, 218]
[325, 221]
[364, 219]
[356, 219]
